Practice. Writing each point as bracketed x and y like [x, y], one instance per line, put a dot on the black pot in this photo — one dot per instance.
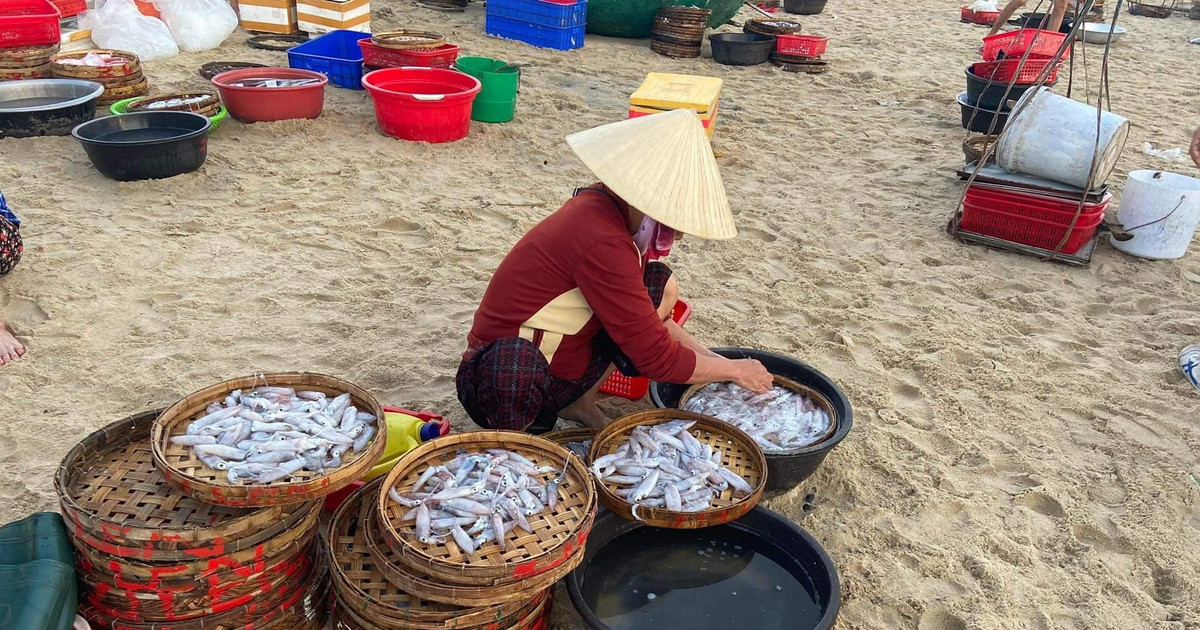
[982, 119]
[146, 145]
[1036, 20]
[741, 49]
[787, 470]
[990, 93]
[804, 7]
[46, 107]
[789, 545]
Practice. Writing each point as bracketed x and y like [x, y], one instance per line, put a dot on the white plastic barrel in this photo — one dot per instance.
[1053, 137]
[1161, 210]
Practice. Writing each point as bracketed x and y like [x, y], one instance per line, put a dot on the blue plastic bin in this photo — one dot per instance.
[535, 34]
[335, 54]
[540, 12]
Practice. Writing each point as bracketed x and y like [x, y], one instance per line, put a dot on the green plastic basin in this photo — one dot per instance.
[122, 107]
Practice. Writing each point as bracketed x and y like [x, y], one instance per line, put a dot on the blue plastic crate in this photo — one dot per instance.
[335, 54]
[540, 12]
[535, 34]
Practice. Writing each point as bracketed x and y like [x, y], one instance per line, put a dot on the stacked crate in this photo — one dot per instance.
[556, 24]
[269, 16]
[322, 16]
[662, 92]
[29, 36]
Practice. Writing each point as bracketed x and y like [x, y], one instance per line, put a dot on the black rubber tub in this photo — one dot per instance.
[990, 94]
[804, 7]
[46, 107]
[784, 542]
[741, 49]
[784, 471]
[982, 121]
[1036, 20]
[146, 145]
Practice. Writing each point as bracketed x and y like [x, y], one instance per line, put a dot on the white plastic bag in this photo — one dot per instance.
[117, 24]
[198, 24]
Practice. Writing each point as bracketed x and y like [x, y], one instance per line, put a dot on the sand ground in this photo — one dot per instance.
[1025, 452]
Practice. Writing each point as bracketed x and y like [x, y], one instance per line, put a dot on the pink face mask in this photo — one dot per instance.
[653, 239]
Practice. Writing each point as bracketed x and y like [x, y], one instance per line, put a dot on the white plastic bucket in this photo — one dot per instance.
[1161, 210]
[1053, 137]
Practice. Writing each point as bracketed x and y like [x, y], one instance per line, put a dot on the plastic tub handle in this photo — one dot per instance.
[429, 97]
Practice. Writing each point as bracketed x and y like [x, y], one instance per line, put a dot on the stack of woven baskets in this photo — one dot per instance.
[771, 26]
[203, 103]
[148, 556]
[678, 31]
[386, 579]
[26, 62]
[122, 78]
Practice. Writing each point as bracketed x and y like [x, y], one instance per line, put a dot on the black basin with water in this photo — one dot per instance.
[784, 471]
[761, 571]
[146, 145]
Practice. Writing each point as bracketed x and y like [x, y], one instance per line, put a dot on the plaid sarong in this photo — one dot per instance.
[10, 238]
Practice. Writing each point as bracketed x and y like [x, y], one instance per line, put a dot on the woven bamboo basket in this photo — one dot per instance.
[557, 536]
[67, 71]
[409, 580]
[974, 147]
[771, 26]
[739, 454]
[15, 74]
[109, 490]
[203, 103]
[362, 587]
[28, 55]
[817, 397]
[186, 472]
[563, 437]
[112, 95]
[408, 40]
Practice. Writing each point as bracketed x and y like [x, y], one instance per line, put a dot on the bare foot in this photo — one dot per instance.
[10, 348]
[586, 412]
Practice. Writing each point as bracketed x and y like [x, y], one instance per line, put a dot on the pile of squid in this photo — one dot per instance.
[271, 433]
[665, 466]
[779, 419]
[477, 498]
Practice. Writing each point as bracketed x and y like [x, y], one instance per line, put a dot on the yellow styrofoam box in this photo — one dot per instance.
[662, 92]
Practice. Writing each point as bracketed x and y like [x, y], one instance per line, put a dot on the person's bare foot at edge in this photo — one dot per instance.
[10, 348]
[586, 412]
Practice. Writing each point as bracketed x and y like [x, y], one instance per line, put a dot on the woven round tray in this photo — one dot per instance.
[278, 43]
[36, 72]
[683, 15]
[28, 55]
[974, 146]
[817, 397]
[408, 40]
[131, 66]
[771, 26]
[740, 455]
[185, 471]
[205, 104]
[678, 51]
[112, 95]
[410, 580]
[213, 68]
[362, 586]
[109, 490]
[557, 536]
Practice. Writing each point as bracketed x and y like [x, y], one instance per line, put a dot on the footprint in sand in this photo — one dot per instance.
[23, 311]
[941, 620]
[1041, 503]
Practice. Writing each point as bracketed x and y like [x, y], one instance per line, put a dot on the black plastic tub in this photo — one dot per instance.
[46, 107]
[783, 541]
[146, 145]
[785, 470]
[1036, 20]
[982, 121]
[990, 94]
[741, 49]
[804, 7]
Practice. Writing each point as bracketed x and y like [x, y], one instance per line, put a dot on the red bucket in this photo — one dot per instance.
[423, 104]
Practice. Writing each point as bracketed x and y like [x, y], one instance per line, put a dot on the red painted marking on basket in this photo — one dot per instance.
[533, 568]
[114, 530]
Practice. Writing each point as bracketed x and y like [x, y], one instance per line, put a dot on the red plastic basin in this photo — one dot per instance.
[423, 104]
[264, 104]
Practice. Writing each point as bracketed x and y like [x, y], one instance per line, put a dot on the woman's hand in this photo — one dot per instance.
[1194, 150]
[751, 374]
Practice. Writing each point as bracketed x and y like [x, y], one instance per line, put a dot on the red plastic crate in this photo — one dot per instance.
[801, 45]
[1015, 43]
[70, 8]
[1038, 207]
[634, 387]
[1026, 73]
[376, 56]
[1027, 230]
[980, 17]
[28, 23]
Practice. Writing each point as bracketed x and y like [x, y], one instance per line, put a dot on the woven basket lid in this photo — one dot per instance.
[663, 165]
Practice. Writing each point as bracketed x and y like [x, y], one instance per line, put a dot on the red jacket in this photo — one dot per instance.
[574, 274]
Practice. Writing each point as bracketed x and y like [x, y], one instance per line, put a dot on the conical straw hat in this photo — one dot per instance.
[662, 165]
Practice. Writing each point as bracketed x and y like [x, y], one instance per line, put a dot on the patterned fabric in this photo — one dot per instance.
[507, 384]
[10, 238]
